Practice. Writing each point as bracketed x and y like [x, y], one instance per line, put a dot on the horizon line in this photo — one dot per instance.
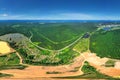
[62, 20]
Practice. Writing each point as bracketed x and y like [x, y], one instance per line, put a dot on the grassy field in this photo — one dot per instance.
[106, 44]
[44, 57]
[82, 45]
[9, 59]
[51, 36]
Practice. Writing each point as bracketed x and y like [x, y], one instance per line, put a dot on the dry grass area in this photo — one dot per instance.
[5, 48]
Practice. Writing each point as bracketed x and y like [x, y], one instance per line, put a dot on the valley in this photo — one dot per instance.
[59, 50]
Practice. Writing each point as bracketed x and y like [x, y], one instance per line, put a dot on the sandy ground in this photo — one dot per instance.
[5, 48]
[46, 79]
[110, 71]
[37, 72]
[98, 63]
[40, 71]
[117, 65]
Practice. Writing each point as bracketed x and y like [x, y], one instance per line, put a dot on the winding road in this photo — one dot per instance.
[54, 50]
[21, 60]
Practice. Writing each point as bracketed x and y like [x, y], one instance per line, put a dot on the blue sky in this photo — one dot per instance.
[60, 9]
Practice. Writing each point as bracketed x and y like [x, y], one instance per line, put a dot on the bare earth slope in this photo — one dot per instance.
[34, 72]
[5, 48]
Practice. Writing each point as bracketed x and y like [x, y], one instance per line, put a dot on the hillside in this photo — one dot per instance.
[61, 48]
[106, 44]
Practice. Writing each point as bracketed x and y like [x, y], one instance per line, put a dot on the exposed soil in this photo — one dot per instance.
[42, 71]
[38, 72]
[5, 48]
[99, 62]
[117, 65]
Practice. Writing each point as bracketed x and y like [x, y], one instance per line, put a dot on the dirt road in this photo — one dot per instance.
[34, 72]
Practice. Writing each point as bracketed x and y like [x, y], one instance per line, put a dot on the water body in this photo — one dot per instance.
[107, 28]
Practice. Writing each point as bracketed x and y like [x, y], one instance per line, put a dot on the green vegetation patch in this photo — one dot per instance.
[45, 57]
[106, 44]
[67, 56]
[5, 75]
[82, 45]
[6, 67]
[10, 59]
[53, 72]
[110, 63]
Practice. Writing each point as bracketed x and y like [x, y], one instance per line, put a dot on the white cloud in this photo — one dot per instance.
[76, 16]
[60, 16]
[8, 17]
[4, 15]
[79, 16]
[67, 16]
